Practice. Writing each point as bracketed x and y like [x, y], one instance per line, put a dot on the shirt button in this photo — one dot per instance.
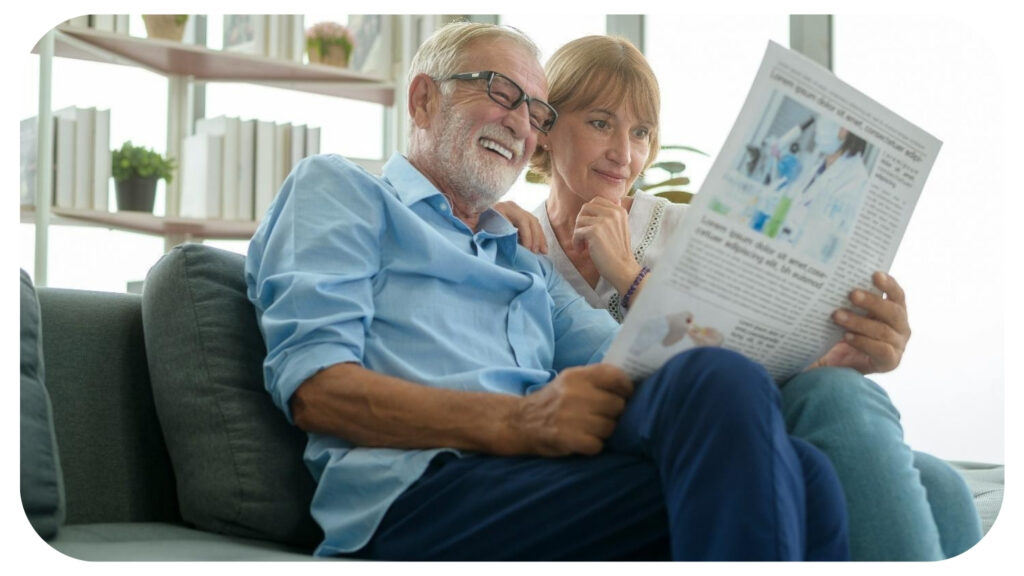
[444, 207]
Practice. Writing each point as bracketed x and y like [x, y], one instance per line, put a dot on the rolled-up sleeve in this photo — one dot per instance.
[309, 272]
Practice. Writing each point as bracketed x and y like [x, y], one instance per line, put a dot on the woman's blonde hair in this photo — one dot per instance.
[604, 70]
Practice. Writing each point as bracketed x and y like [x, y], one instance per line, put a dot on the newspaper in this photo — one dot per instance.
[778, 237]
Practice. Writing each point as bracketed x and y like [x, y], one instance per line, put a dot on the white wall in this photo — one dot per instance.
[944, 74]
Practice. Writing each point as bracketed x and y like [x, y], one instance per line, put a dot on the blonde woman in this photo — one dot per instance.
[903, 505]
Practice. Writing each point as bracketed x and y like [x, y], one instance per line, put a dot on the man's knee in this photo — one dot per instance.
[715, 377]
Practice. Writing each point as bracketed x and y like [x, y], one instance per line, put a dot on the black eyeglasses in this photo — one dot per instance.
[509, 95]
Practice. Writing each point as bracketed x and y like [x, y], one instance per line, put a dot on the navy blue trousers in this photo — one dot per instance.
[699, 468]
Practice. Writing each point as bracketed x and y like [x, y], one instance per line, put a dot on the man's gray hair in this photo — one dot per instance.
[441, 54]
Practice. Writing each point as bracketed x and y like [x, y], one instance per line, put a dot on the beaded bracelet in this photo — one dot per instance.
[627, 299]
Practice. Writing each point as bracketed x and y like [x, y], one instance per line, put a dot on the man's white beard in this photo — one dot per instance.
[475, 181]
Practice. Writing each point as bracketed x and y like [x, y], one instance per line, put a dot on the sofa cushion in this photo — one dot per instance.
[237, 461]
[158, 542]
[42, 489]
[986, 482]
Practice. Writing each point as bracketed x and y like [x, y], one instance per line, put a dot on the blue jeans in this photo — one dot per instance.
[903, 505]
[699, 468]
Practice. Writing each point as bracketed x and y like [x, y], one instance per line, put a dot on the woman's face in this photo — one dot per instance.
[598, 152]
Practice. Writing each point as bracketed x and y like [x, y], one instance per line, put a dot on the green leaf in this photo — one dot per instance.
[132, 161]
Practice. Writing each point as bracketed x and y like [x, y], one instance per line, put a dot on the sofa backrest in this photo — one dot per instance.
[112, 452]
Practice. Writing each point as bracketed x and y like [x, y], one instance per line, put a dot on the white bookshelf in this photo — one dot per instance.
[181, 64]
[170, 58]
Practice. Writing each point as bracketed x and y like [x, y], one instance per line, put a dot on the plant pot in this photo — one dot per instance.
[164, 26]
[136, 194]
[335, 56]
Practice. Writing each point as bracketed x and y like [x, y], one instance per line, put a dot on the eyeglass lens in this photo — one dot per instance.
[507, 93]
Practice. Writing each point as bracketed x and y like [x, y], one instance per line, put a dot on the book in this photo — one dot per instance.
[297, 38]
[247, 169]
[201, 176]
[286, 37]
[101, 161]
[282, 153]
[276, 31]
[298, 145]
[227, 127]
[63, 162]
[121, 23]
[264, 185]
[312, 140]
[84, 134]
[104, 22]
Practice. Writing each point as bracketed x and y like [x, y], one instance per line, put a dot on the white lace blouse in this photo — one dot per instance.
[651, 221]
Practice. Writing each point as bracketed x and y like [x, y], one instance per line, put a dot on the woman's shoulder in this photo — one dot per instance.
[655, 220]
[653, 212]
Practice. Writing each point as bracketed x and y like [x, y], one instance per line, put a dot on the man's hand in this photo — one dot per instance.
[602, 227]
[531, 235]
[875, 342]
[575, 413]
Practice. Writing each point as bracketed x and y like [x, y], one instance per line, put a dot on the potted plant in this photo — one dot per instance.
[329, 43]
[167, 26]
[136, 170]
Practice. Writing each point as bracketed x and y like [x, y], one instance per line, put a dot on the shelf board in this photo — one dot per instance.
[148, 223]
[203, 64]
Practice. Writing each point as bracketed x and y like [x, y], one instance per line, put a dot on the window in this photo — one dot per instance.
[705, 65]
[549, 34]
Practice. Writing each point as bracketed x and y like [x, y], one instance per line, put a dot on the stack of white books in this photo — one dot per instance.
[81, 158]
[232, 168]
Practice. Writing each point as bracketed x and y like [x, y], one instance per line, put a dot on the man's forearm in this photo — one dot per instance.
[375, 410]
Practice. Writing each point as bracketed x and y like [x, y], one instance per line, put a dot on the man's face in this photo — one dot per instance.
[481, 146]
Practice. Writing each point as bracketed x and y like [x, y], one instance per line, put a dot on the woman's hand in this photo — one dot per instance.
[531, 235]
[602, 228]
[874, 342]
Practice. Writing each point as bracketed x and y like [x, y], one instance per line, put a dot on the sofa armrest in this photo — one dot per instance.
[112, 452]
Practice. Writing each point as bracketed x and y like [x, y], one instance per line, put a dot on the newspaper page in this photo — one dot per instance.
[810, 194]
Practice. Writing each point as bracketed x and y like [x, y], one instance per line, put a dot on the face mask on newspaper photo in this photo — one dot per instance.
[826, 136]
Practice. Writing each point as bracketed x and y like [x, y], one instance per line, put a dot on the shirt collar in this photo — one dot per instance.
[410, 185]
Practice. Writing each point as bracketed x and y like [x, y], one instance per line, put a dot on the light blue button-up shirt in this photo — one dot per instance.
[350, 267]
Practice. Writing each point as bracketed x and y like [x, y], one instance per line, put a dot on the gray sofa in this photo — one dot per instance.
[152, 438]
[146, 433]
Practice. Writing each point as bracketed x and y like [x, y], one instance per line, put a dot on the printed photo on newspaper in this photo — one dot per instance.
[810, 194]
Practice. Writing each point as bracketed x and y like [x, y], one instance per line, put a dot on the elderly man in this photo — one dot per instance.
[449, 380]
